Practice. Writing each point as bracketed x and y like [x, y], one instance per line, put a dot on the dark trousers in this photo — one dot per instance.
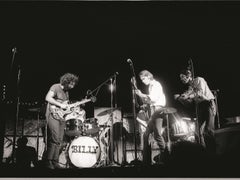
[55, 136]
[154, 126]
[206, 119]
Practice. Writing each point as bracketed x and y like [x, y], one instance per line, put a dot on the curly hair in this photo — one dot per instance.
[67, 78]
[186, 72]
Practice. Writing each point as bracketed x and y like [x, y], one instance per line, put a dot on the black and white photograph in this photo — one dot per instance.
[120, 89]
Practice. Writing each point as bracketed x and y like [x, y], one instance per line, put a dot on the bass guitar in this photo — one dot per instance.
[145, 110]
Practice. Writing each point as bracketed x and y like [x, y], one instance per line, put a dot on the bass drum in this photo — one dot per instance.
[84, 152]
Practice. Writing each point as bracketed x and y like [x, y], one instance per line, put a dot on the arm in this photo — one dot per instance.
[50, 98]
[199, 90]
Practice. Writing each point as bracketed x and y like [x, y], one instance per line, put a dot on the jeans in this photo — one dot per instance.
[55, 138]
[206, 119]
[154, 126]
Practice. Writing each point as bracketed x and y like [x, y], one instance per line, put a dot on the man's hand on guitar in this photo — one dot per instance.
[63, 106]
[139, 93]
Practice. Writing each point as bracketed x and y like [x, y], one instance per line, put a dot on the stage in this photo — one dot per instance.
[216, 170]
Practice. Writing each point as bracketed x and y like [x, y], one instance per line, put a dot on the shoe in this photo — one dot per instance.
[157, 158]
[56, 165]
[160, 158]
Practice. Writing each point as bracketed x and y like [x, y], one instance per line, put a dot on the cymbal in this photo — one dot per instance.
[105, 112]
[180, 134]
[169, 110]
[188, 119]
[34, 109]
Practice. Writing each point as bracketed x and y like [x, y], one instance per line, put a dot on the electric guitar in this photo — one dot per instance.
[145, 110]
[59, 113]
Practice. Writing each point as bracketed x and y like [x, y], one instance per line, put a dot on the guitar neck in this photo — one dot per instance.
[81, 102]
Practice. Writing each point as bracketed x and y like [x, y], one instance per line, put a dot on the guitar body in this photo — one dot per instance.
[59, 113]
[73, 111]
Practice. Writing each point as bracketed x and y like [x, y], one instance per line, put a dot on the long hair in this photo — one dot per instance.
[67, 78]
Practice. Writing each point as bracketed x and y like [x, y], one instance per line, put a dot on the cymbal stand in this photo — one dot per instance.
[38, 117]
[168, 133]
[215, 92]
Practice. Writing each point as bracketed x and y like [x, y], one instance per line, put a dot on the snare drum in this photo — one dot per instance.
[84, 152]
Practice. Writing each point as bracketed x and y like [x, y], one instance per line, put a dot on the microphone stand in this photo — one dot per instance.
[4, 96]
[136, 161]
[196, 105]
[113, 86]
[17, 113]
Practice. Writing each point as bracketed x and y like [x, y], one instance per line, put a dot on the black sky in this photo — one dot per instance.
[94, 40]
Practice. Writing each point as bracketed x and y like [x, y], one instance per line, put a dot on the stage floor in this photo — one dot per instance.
[215, 170]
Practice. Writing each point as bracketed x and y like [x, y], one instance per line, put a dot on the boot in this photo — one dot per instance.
[56, 165]
[49, 164]
[161, 158]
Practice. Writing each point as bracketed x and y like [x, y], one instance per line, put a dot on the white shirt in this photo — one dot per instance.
[156, 94]
[200, 90]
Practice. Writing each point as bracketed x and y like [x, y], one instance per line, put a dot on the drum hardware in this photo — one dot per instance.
[166, 111]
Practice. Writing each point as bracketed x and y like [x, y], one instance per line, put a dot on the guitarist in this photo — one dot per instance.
[156, 99]
[57, 93]
[200, 93]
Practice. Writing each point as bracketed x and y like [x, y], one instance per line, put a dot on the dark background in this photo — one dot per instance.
[95, 39]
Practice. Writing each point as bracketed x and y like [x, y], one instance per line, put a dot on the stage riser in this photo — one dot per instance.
[228, 141]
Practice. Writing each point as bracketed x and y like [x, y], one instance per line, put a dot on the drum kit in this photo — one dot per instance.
[87, 143]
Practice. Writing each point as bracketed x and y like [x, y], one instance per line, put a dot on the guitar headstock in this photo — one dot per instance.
[93, 99]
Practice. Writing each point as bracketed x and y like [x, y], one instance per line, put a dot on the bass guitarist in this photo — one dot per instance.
[156, 100]
[57, 94]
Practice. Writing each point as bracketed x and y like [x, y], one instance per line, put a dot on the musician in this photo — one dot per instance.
[156, 99]
[57, 94]
[198, 91]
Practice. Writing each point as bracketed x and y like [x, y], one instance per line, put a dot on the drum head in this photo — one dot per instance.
[84, 152]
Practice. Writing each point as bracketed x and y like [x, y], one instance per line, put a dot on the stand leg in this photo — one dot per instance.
[168, 134]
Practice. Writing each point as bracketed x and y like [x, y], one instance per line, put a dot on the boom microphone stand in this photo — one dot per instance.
[112, 80]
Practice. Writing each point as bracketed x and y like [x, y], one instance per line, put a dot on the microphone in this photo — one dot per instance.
[129, 61]
[88, 92]
[14, 49]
